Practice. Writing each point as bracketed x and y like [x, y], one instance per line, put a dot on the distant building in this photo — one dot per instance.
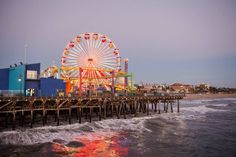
[202, 88]
[150, 88]
[203, 85]
[181, 88]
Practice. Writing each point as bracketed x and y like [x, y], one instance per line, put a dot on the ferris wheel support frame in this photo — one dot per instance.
[113, 83]
[80, 82]
[91, 61]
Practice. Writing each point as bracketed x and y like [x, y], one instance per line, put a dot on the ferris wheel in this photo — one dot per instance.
[90, 51]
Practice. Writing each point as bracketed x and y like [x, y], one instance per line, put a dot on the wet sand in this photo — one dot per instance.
[208, 96]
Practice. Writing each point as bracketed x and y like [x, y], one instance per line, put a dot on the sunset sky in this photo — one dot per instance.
[166, 41]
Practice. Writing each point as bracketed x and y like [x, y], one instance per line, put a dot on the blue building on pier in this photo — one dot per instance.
[4, 79]
[24, 80]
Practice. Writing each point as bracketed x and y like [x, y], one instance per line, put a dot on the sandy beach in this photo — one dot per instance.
[208, 96]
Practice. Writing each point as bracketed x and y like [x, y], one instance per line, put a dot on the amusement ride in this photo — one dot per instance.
[91, 64]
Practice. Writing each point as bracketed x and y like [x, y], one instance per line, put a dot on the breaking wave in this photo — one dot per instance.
[194, 110]
[69, 132]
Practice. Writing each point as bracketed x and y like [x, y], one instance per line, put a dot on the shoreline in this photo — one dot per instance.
[208, 96]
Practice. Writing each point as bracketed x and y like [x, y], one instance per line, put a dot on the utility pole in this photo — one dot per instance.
[26, 46]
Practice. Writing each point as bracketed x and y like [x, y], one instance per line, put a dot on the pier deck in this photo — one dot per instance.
[29, 111]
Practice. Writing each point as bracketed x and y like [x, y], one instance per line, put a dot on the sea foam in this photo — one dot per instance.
[69, 132]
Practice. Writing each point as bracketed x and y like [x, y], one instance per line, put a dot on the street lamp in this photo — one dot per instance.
[20, 81]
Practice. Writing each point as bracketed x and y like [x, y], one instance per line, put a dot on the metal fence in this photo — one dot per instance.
[11, 93]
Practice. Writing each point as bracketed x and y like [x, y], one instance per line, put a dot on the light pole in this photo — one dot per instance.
[20, 81]
[26, 46]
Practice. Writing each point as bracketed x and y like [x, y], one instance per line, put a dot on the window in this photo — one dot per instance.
[31, 74]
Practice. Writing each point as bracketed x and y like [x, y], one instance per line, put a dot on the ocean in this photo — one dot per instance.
[203, 128]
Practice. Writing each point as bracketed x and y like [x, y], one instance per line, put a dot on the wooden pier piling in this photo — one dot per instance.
[25, 110]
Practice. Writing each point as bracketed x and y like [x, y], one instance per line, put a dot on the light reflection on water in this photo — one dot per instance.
[94, 146]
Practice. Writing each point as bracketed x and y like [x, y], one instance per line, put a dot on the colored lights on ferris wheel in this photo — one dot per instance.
[111, 44]
[78, 39]
[71, 44]
[90, 51]
[104, 39]
[86, 36]
[116, 51]
[66, 52]
[95, 36]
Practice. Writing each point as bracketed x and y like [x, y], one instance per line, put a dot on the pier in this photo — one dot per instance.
[25, 111]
